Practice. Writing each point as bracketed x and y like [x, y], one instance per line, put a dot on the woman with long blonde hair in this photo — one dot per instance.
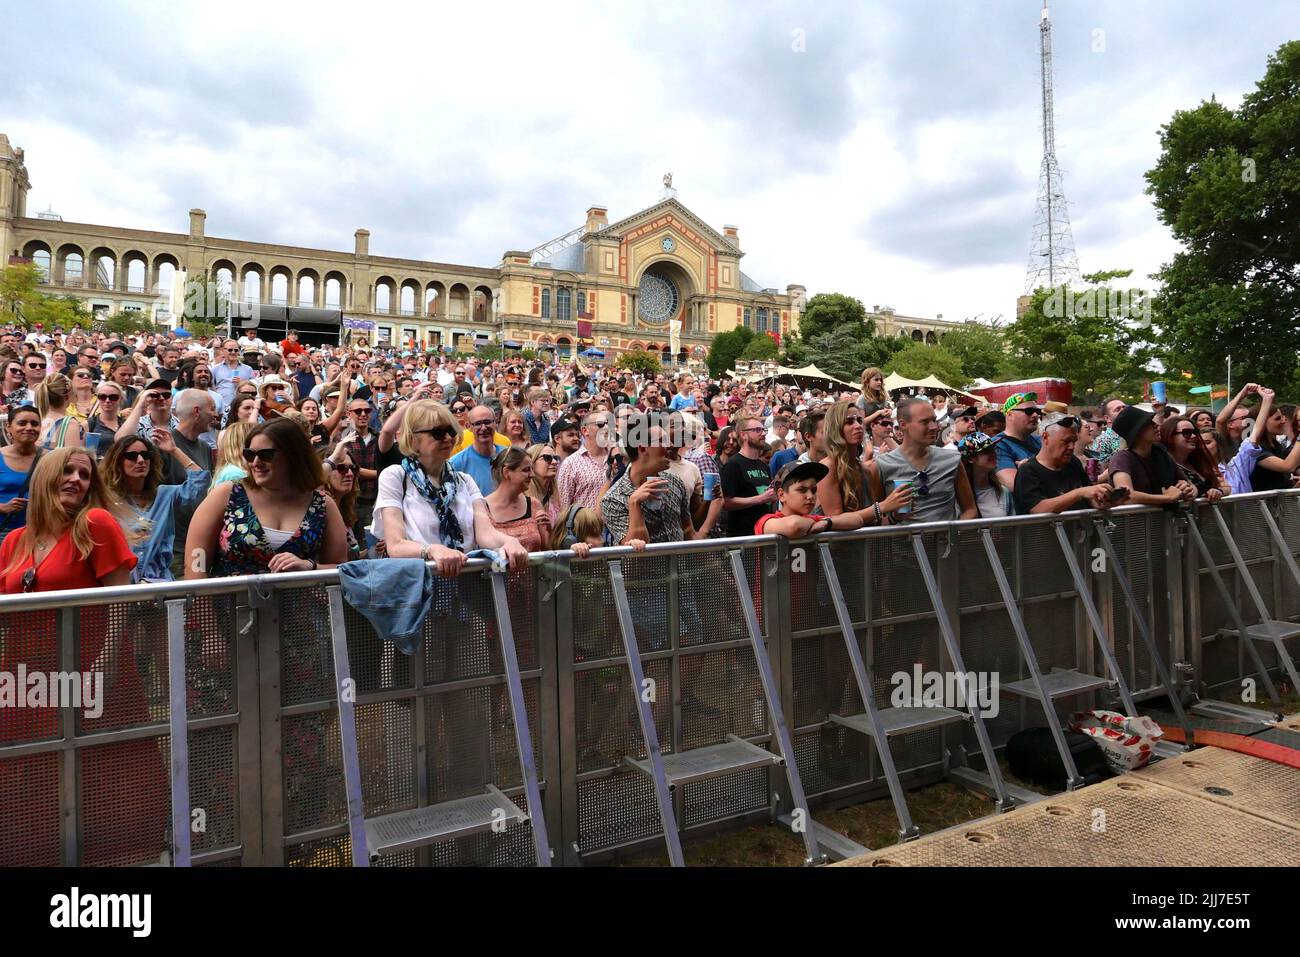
[845, 487]
[73, 540]
[229, 463]
[58, 428]
[545, 466]
[82, 404]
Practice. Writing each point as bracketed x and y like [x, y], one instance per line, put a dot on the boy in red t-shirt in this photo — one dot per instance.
[797, 493]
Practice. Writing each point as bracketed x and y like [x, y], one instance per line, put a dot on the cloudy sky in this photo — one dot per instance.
[889, 150]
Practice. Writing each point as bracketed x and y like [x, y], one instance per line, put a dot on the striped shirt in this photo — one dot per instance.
[580, 479]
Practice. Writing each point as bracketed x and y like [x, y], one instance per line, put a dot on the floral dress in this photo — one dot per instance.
[243, 546]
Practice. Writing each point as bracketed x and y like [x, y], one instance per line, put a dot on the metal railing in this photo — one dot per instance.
[220, 705]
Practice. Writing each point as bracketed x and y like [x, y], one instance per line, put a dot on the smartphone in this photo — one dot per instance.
[1118, 494]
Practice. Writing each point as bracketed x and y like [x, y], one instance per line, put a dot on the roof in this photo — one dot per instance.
[569, 259]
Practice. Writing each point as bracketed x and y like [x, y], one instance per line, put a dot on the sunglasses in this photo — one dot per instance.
[549, 458]
[1186, 433]
[36, 365]
[266, 455]
[459, 409]
[923, 483]
[439, 432]
[135, 456]
[107, 396]
[1070, 422]
[358, 411]
[160, 396]
[345, 469]
[849, 420]
[81, 375]
[29, 580]
[231, 349]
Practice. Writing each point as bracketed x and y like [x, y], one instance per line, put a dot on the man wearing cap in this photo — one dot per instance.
[152, 410]
[1054, 480]
[565, 437]
[1021, 444]
[963, 424]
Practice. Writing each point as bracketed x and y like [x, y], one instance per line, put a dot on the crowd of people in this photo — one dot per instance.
[153, 458]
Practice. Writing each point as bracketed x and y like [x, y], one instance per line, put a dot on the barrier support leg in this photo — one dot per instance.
[345, 689]
[178, 733]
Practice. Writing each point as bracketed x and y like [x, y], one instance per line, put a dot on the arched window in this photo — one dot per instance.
[762, 320]
[546, 303]
[582, 301]
[563, 298]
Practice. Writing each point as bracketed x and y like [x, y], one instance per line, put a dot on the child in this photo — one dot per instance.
[582, 530]
[797, 493]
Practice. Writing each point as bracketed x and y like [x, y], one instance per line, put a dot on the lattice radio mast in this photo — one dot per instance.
[1052, 260]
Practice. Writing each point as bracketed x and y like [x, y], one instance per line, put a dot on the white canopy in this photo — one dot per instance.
[895, 382]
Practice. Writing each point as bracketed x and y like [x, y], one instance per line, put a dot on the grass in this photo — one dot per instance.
[872, 824]
[1290, 698]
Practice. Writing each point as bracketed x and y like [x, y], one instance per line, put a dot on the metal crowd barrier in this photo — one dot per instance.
[225, 737]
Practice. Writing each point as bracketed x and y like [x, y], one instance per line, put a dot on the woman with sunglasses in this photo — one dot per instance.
[17, 460]
[275, 520]
[73, 540]
[15, 389]
[133, 469]
[845, 486]
[1193, 459]
[58, 428]
[82, 405]
[341, 485]
[545, 465]
[880, 424]
[511, 508]
[103, 425]
[426, 509]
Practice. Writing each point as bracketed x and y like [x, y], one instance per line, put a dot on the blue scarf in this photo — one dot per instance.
[441, 498]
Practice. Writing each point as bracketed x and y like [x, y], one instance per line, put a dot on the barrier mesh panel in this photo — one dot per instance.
[471, 740]
[123, 649]
[460, 632]
[28, 643]
[313, 772]
[897, 585]
[214, 789]
[832, 757]
[1137, 545]
[708, 605]
[823, 680]
[988, 645]
[210, 658]
[721, 695]
[899, 649]
[726, 796]
[125, 799]
[1042, 563]
[29, 811]
[605, 714]
[616, 809]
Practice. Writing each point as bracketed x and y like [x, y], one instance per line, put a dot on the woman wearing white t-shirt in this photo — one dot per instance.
[425, 509]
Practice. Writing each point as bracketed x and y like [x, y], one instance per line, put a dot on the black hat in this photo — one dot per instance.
[563, 424]
[1130, 422]
[159, 384]
[969, 410]
[794, 471]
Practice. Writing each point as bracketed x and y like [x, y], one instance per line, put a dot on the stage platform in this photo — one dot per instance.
[1208, 807]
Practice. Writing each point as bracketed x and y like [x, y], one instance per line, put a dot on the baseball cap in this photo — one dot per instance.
[562, 424]
[970, 410]
[159, 384]
[794, 471]
[977, 442]
[1027, 399]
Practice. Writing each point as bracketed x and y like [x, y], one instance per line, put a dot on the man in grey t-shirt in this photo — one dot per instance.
[940, 489]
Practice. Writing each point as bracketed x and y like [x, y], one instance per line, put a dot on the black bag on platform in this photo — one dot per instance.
[1033, 757]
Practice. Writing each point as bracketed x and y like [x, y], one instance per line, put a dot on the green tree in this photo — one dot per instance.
[1094, 335]
[20, 287]
[828, 311]
[126, 323]
[760, 348]
[981, 348]
[844, 353]
[726, 348]
[916, 360]
[1227, 183]
[639, 360]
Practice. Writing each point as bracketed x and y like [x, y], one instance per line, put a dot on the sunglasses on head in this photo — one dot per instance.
[266, 455]
[439, 432]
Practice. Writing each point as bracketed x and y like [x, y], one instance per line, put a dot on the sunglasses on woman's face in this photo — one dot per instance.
[546, 457]
[345, 469]
[1186, 433]
[439, 432]
[107, 396]
[266, 455]
[135, 456]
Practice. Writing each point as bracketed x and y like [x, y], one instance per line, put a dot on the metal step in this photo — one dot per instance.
[1058, 683]
[440, 822]
[897, 721]
[1268, 630]
[711, 761]
[837, 846]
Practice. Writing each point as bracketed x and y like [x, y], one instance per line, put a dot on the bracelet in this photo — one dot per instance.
[880, 520]
[313, 563]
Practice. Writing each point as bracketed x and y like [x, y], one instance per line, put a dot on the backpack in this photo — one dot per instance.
[1033, 757]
